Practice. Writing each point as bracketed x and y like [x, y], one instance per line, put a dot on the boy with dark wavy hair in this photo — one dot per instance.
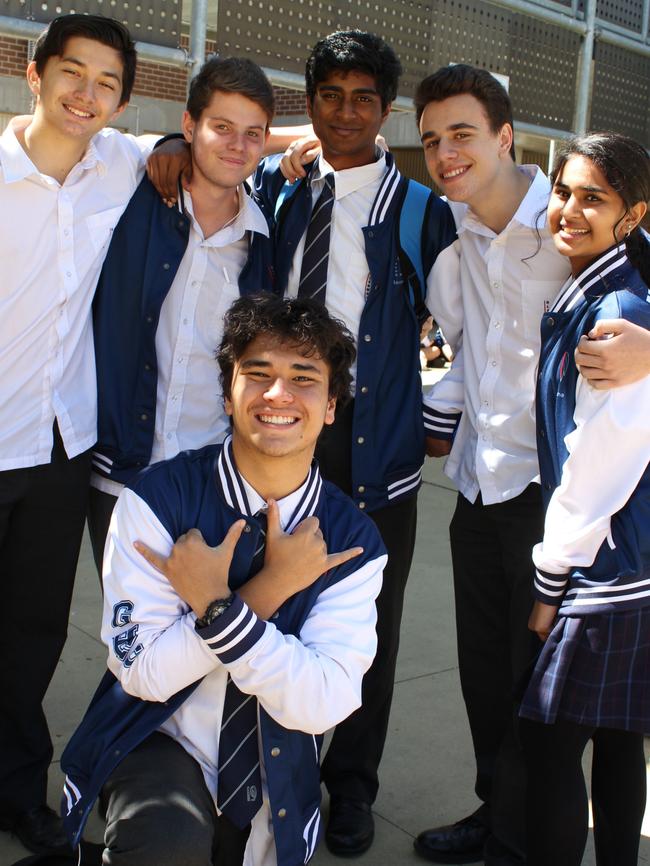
[236, 638]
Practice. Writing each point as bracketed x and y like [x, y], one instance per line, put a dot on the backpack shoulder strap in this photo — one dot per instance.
[411, 224]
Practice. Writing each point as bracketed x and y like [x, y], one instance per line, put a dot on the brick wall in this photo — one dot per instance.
[289, 101]
[152, 79]
[13, 56]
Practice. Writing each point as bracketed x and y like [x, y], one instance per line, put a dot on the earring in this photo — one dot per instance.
[629, 227]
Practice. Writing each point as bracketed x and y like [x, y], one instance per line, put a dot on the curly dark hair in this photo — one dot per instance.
[300, 322]
[354, 51]
[108, 31]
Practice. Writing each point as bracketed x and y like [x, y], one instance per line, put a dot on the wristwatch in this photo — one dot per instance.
[214, 610]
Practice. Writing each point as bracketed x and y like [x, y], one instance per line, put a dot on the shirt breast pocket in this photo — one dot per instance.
[536, 299]
[100, 227]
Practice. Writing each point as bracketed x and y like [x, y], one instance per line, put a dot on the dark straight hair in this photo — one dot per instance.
[460, 79]
[108, 31]
[625, 165]
[230, 75]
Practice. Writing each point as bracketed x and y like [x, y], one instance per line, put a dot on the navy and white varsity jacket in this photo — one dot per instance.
[594, 453]
[305, 666]
[388, 427]
[146, 250]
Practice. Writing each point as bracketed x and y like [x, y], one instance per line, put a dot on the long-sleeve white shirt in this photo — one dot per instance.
[348, 274]
[492, 289]
[53, 238]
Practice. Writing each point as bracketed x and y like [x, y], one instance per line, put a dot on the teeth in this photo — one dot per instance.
[276, 419]
[569, 231]
[453, 173]
[78, 112]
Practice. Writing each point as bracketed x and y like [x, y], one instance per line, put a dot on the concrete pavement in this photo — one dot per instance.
[427, 771]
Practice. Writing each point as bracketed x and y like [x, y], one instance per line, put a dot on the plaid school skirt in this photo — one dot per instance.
[594, 670]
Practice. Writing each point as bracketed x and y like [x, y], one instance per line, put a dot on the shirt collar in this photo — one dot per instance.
[531, 212]
[349, 180]
[16, 165]
[249, 219]
[242, 497]
[608, 264]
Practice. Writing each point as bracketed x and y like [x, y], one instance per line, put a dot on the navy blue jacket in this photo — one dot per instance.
[388, 428]
[146, 250]
[623, 560]
[188, 492]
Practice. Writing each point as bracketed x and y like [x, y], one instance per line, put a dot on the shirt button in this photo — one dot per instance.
[68, 273]
[360, 440]
[362, 505]
[367, 338]
[247, 528]
[282, 813]
[542, 434]
[364, 389]
[144, 416]
[147, 367]
[149, 319]
[66, 232]
[551, 321]
[497, 324]
[166, 266]
[361, 489]
[195, 283]
[169, 435]
[275, 752]
[494, 363]
[495, 285]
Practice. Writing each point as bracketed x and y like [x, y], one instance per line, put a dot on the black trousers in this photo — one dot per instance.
[42, 514]
[350, 767]
[159, 812]
[491, 549]
[557, 809]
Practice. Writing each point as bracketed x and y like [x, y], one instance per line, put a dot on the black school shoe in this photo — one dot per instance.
[91, 855]
[350, 828]
[462, 842]
[41, 830]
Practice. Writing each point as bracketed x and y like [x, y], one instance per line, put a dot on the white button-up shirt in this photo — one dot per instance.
[53, 238]
[189, 402]
[493, 288]
[348, 274]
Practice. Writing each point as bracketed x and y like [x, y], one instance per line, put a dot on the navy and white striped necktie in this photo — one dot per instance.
[315, 256]
[239, 781]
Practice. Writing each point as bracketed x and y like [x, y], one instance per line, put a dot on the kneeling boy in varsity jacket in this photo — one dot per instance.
[240, 618]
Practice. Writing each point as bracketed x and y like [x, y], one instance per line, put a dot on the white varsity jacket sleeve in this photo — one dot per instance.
[609, 450]
[308, 683]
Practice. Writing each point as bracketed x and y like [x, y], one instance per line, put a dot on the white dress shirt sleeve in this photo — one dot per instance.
[443, 403]
[609, 450]
[444, 296]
